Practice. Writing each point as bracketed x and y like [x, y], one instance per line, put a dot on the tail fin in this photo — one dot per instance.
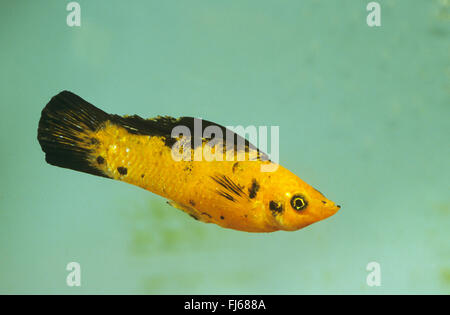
[63, 132]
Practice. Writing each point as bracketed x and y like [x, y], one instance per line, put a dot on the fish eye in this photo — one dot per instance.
[298, 202]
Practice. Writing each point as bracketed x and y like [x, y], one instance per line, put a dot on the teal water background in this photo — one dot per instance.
[363, 115]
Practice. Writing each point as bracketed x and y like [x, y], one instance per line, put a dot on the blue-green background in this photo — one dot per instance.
[363, 115]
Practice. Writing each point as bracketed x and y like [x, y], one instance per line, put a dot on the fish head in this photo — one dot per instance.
[292, 204]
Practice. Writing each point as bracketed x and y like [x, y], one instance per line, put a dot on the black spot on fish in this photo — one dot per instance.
[188, 168]
[100, 160]
[235, 165]
[222, 217]
[94, 141]
[193, 216]
[275, 207]
[192, 202]
[122, 170]
[142, 175]
[253, 189]
[324, 202]
[205, 213]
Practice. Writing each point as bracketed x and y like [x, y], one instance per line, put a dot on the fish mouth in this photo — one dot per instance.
[335, 208]
[331, 207]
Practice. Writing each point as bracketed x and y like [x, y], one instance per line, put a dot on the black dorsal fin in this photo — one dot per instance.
[162, 126]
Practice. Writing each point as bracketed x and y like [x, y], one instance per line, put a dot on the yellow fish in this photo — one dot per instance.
[231, 193]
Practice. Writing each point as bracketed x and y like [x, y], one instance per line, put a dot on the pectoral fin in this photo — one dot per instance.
[204, 217]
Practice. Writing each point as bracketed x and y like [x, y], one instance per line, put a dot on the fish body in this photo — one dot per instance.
[230, 192]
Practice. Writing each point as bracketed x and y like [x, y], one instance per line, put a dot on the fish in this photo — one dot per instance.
[232, 193]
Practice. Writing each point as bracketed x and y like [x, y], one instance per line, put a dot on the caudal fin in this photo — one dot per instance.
[64, 128]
